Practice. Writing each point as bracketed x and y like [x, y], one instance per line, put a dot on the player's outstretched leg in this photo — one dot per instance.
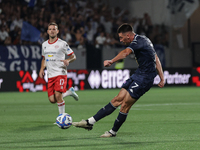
[88, 124]
[72, 93]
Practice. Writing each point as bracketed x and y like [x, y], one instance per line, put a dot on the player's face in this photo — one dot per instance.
[124, 38]
[52, 31]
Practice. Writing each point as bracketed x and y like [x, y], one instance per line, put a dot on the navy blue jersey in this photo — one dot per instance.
[144, 54]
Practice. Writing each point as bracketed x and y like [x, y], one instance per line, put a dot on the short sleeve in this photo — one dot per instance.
[67, 50]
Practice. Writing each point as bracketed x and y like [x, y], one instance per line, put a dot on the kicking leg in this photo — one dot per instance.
[88, 124]
[103, 112]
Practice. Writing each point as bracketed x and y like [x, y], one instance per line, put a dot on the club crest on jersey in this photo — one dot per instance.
[56, 46]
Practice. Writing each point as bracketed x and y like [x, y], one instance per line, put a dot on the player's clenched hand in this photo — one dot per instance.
[161, 83]
[108, 63]
[66, 62]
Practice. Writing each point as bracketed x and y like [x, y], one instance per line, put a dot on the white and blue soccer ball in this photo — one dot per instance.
[64, 121]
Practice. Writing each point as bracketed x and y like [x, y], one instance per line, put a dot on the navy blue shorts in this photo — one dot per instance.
[137, 85]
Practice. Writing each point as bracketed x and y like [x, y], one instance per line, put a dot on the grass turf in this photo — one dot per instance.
[163, 119]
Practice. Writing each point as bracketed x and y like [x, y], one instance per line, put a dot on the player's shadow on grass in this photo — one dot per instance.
[35, 126]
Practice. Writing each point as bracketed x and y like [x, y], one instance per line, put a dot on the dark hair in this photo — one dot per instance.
[52, 23]
[125, 28]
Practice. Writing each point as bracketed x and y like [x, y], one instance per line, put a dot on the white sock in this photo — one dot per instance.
[113, 132]
[67, 93]
[91, 120]
[61, 107]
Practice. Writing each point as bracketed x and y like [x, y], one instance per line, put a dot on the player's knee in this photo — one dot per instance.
[58, 98]
[117, 101]
[52, 100]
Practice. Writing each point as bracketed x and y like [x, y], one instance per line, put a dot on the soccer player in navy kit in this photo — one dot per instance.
[134, 87]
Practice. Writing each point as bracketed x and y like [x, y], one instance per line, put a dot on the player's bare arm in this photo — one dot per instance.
[69, 60]
[43, 65]
[160, 72]
[123, 54]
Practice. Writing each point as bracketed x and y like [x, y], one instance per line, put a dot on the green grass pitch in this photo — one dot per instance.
[163, 119]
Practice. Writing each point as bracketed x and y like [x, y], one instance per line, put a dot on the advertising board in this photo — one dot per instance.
[93, 79]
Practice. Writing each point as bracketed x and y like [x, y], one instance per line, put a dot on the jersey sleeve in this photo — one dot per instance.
[135, 45]
[67, 50]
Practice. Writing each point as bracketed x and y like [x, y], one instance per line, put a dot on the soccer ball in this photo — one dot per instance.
[64, 121]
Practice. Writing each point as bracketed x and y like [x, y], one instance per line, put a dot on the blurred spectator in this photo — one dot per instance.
[40, 26]
[117, 12]
[43, 37]
[100, 40]
[66, 35]
[17, 39]
[8, 41]
[3, 34]
[79, 37]
[135, 23]
[140, 28]
[17, 21]
[147, 24]
[3, 19]
[110, 41]
[108, 23]
[14, 33]
[90, 32]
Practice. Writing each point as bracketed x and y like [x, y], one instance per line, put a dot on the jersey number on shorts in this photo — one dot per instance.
[62, 81]
[134, 86]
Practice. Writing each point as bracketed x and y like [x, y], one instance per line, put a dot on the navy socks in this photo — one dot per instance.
[105, 111]
[119, 121]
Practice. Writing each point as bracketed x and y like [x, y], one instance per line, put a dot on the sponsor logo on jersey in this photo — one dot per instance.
[50, 55]
[56, 46]
[50, 59]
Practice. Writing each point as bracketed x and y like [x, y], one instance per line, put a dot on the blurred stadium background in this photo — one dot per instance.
[90, 29]
[165, 118]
